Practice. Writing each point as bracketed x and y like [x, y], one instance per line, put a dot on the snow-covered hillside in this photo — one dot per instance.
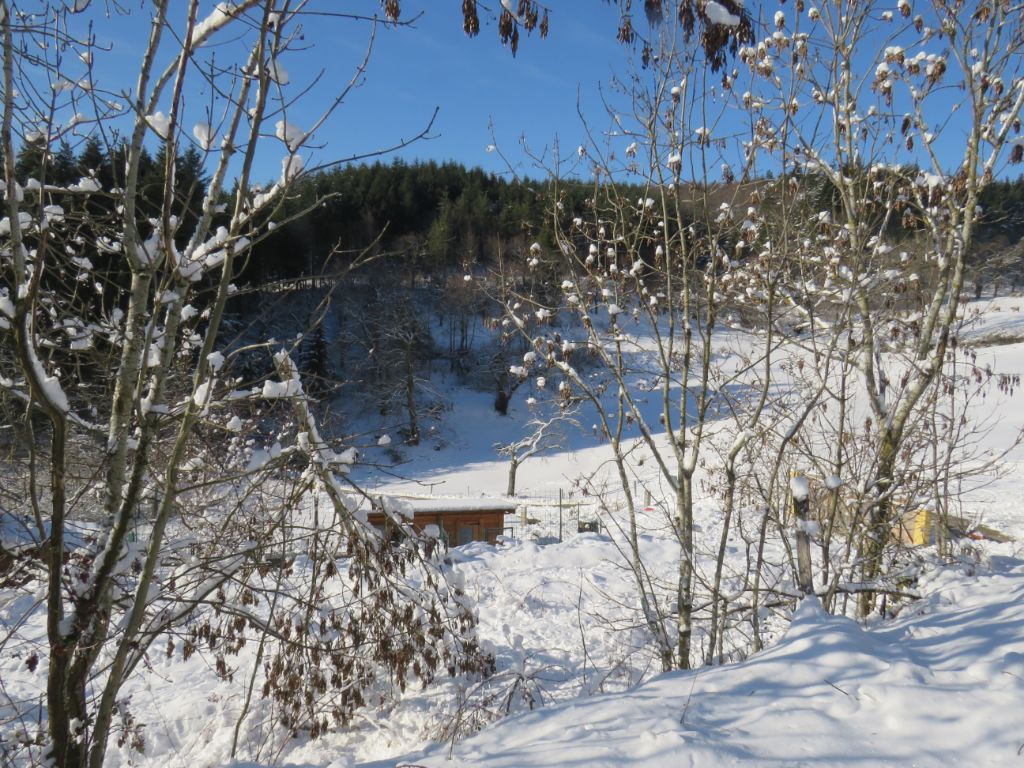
[940, 684]
[577, 682]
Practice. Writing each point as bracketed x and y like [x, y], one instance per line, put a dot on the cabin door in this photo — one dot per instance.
[466, 532]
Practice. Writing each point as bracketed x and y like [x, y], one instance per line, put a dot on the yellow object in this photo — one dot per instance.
[923, 528]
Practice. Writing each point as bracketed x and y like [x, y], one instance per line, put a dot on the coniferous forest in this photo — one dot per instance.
[310, 461]
[421, 219]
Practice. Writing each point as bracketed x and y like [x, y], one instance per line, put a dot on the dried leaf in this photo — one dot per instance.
[470, 18]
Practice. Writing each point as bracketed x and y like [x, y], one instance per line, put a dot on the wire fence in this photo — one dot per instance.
[553, 517]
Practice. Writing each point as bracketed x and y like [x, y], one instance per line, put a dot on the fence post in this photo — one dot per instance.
[800, 496]
[559, 515]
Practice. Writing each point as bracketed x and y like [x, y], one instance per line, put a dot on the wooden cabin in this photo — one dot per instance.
[459, 520]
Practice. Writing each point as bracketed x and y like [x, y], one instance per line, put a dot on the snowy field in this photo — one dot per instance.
[942, 683]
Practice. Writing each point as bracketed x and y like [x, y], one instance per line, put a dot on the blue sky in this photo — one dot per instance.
[474, 83]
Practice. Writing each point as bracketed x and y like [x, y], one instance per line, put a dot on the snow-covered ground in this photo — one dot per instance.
[941, 685]
[577, 682]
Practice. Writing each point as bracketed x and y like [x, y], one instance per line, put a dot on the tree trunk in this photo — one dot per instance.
[804, 577]
[717, 623]
[501, 402]
[684, 591]
[65, 694]
[513, 466]
[410, 397]
[879, 522]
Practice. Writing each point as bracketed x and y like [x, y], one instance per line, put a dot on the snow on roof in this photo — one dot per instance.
[430, 504]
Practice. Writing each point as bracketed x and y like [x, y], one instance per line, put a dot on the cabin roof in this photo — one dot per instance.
[437, 504]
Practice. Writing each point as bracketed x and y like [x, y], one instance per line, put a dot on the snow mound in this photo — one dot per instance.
[941, 686]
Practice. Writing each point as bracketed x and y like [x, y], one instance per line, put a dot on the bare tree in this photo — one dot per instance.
[891, 189]
[645, 272]
[149, 512]
[835, 280]
[543, 435]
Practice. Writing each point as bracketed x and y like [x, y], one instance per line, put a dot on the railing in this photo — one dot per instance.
[553, 517]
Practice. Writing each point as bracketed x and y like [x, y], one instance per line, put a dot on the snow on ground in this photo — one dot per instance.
[998, 330]
[539, 605]
[995, 321]
[941, 685]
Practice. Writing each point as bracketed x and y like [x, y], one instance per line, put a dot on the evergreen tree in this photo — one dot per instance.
[313, 363]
